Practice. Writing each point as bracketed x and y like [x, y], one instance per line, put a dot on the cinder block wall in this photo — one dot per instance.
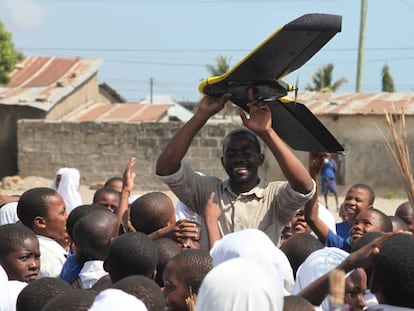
[102, 150]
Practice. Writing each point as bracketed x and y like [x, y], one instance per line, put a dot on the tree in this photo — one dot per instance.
[387, 80]
[222, 65]
[322, 80]
[9, 56]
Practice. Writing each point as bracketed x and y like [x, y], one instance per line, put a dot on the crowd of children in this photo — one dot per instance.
[253, 245]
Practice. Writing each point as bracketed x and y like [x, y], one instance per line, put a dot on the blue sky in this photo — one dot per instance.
[172, 41]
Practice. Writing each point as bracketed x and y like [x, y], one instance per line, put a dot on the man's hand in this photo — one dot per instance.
[212, 105]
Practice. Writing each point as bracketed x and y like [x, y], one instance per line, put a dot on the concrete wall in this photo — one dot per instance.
[9, 114]
[101, 150]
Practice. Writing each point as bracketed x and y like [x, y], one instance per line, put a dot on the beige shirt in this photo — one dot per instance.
[268, 206]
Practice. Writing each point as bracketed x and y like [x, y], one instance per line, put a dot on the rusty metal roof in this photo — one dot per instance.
[357, 103]
[100, 112]
[42, 82]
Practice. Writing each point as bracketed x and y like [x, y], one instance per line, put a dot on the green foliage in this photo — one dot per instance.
[387, 80]
[221, 66]
[9, 56]
[322, 80]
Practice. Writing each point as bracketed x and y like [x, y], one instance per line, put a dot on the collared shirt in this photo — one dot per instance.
[52, 257]
[268, 206]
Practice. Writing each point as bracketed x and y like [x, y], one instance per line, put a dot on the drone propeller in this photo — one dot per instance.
[296, 89]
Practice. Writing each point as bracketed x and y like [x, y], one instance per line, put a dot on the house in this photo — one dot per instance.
[46, 88]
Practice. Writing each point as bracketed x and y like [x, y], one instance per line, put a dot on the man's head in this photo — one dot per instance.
[392, 279]
[43, 210]
[241, 158]
[369, 220]
[405, 212]
[359, 197]
[19, 252]
[152, 211]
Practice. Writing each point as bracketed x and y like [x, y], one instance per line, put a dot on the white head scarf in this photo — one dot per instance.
[8, 213]
[69, 187]
[239, 284]
[5, 300]
[116, 299]
[256, 245]
[317, 264]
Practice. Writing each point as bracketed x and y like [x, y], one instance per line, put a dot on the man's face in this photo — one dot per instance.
[23, 263]
[175, 290]
[367, 221]
[356, 200]
[55, 220]
[241, 160]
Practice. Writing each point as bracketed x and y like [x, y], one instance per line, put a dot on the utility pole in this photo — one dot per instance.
[151, 88]
[361, 47]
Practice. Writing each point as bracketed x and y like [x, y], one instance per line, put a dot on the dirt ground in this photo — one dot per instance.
[17, 185]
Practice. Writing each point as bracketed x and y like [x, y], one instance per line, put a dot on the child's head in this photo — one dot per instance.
[38, 293]
[299, 224]
[296, 303]
[392, 279]
[152, 211]
[355, 287]
[93, 233]
[131, 253]
[107, 197]
[167, 249]
[144, 289]
[114, 183]
[79, 212]
[398, 224]
[43, 210]
[359, 197]
[75, 299]
[183, 275]
[405, 212]
[19, 252]
[369, 220]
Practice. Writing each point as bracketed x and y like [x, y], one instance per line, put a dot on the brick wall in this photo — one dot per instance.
[102, 150]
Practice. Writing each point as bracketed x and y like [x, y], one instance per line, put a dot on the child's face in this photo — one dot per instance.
[356, 200]
[23, 263]
[175, 290]
[299, 224]
[366, 221]
[110, 200]
[55, 221]
[355, 287]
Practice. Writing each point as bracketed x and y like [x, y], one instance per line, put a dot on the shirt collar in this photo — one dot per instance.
[258, 190]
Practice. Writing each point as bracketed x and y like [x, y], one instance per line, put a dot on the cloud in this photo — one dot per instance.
[24, 13]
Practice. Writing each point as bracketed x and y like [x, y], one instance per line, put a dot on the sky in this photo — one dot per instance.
[172, 41]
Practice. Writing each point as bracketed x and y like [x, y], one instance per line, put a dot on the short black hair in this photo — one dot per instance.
[110, 180]
[39, 292]
[93, 233]
[367, 188]
[144, 289]
[385, 221]
[12, 236]
[131, 253]
[75, 299]
[102, 191]
[33, 203]
[398, 223]
[393, 271]
[192, 266]
[151, 211]
[167, 249]
[243, 133]
[296, 303]
[298, 247]
[78, 212]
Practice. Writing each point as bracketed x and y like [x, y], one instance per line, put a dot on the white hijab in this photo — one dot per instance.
[69, 187]
[256, 245]
[116, 299]
[239, 284]
[317, 264]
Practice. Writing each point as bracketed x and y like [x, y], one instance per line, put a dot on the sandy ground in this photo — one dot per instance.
[388, 206]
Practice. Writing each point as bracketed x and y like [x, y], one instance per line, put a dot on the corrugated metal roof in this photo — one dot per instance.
[41, 82]
[120, 113]
[357, 103]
